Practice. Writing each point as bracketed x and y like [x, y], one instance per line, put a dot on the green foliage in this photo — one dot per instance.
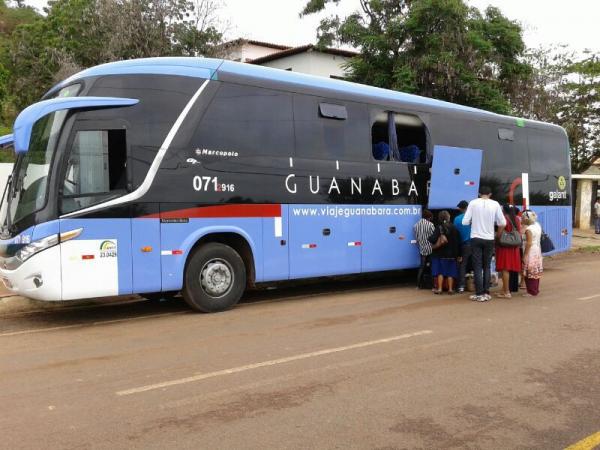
[580, 113]
[565, 89]
[74, 34]
[436, 48]
[444, 49]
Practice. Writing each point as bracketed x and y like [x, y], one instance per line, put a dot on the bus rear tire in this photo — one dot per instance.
[215, 278]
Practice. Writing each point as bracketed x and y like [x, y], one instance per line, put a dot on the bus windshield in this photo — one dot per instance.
[29, 181]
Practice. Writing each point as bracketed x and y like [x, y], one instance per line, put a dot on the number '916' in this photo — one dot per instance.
[211, 184]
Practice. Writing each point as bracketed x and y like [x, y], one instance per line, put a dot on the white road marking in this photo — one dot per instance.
[272, 362]
[277, 380]
[590, 297]
[65, 327]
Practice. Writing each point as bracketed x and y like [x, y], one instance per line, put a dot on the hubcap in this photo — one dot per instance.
[216, 277]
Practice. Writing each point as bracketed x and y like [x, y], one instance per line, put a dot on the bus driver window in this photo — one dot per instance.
[96, 168]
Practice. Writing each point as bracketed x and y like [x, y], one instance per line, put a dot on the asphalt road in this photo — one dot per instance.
[362, 364]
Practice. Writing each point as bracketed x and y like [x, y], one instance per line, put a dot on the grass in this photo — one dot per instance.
[589, 249]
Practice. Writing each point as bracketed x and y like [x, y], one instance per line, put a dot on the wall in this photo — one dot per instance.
[583, 204]
[247, 51]
[312, 62]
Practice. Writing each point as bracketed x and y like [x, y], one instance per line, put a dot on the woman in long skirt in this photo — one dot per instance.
[532, 255]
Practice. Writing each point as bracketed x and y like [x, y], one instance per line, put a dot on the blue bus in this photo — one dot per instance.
[205, 177]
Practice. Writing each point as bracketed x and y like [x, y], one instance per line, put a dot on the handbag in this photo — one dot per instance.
[441, 241]
[510, 239]
[546, 243]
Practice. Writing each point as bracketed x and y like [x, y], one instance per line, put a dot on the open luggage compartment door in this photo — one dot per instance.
[455, 176]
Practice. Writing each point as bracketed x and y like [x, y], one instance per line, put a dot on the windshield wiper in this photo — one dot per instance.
[6, 225]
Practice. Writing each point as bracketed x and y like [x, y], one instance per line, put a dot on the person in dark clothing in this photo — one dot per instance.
[465, 244]
[445, 254]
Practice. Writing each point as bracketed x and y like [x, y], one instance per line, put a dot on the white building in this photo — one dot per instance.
[326, 62]
[244, 50]
[588, 189]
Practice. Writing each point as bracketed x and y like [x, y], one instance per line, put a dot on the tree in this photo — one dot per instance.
[436, 48]
[564, 89]
[75, 34]
[579, 113]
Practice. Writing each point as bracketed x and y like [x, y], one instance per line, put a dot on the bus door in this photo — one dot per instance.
[454, 176]
[97, 262]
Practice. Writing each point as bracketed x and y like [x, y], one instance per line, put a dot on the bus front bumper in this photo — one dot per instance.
[38, 278]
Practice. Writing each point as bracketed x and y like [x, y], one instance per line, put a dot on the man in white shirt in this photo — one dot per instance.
[482, 214]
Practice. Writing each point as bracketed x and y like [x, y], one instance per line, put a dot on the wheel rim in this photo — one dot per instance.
[216, 278]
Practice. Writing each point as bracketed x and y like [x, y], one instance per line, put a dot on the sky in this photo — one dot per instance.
[575, 23]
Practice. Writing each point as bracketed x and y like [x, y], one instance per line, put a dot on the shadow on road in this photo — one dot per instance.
[139, 308]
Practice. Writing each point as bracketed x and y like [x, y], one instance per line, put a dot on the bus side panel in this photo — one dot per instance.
[145, 249]
[275, 259]
[323, 241]
[388, 241]
[97, 263]
[178, 239]
[556, 221]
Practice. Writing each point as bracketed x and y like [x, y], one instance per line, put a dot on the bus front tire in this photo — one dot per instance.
[215, 278]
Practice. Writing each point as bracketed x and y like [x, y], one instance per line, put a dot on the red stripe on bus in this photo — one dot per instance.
[219, 211]
[87, 256]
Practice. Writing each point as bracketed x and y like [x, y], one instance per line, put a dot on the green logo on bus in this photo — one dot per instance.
[562, 183]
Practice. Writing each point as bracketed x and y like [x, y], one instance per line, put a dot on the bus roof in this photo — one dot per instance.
[218, 68]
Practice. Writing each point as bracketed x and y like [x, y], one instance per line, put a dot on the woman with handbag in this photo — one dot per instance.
[508, 244]
[532, 256]
[446, 253]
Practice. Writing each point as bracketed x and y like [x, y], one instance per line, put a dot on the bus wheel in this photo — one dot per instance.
[215, 278]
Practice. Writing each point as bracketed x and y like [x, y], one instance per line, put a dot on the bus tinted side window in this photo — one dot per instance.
[331, 129]
[549, 153]
[96, 168]
[508, 152]
[249, 120]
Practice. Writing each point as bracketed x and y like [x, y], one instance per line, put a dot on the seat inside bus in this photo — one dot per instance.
[409, 143]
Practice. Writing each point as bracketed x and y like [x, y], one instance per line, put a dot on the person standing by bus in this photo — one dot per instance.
[508, 259]
[446, 253]
[423, 230]
[465, 244]
[532, 256]
[482, 214]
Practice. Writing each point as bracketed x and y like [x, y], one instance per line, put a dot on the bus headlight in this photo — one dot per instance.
[35, 247]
